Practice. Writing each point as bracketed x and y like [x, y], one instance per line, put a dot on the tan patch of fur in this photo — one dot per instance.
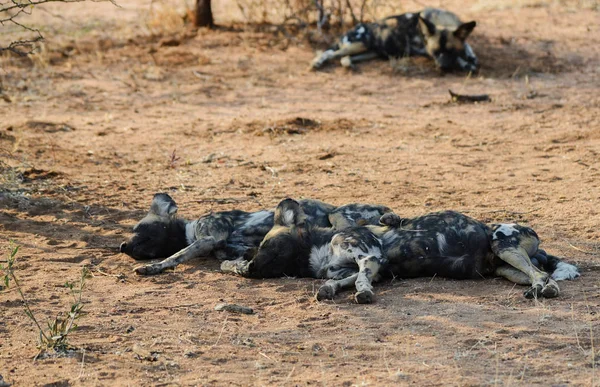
[513, 275]
[384, 34]
[529, 243]
[276, 230]
[392, 22]
[432, 42]
[350, 49]
[442, 19]
[454, 42]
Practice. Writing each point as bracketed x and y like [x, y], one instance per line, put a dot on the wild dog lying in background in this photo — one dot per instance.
[447, 244]
[227, 234]
[435, 33]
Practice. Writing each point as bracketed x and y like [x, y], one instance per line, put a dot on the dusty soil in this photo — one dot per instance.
[108, 115]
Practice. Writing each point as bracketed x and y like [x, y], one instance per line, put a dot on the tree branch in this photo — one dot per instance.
[13, 9]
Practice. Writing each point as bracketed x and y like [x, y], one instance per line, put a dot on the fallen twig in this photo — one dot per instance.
[463, 98]
[223, 200]
[502, 211]
[233, 308]
[581, 250]
[119, 276]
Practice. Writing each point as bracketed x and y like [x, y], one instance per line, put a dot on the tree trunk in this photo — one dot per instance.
[204, 16]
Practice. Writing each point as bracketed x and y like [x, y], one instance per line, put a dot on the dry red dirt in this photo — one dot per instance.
[102, 120]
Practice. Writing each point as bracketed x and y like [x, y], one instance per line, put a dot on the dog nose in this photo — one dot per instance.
[123, 247]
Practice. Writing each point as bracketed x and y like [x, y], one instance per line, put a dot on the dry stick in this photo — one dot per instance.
[467, 211]
[587, 305]
[289, 375]
[510, 212]
[523, 373]
[322, 14]
[432, 278]
[362, 10]
[76, 313]
[578, 249]
[82, 364]
[260, 353]
[29, 312]
[575, 330]
[354, 19]
[221, 333]
[463, 98]
[99, 271]
[509, 380]
[497, 363]
[385, 362]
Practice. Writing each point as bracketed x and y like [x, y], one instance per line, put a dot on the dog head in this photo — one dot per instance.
[448, 47]
[283, 247]
[160, 234]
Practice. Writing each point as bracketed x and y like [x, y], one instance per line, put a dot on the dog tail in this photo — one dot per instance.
[558, 269]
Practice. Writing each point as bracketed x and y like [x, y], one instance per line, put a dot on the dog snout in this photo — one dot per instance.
[444, 62]
[123, 247]
[472, 67]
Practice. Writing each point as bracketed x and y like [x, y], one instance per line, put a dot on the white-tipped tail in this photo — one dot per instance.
[565, 271]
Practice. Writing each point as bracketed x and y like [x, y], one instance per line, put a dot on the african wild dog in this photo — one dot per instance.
[447, 244]
[295, 247]
[435, 33]
[226, 235]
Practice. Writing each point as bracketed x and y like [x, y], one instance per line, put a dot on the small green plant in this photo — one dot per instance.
[55, 337]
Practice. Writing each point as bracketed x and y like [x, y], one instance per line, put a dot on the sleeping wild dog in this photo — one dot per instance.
[434, 33]
[225, 235]
[447, 244]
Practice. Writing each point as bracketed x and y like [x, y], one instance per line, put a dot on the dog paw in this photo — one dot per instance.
[227, 266]
[315, 65]
[364, 297]
[534, 292]
[147, 270]
[239, 266]
[551, 289]
[325, 292]
[346, 62]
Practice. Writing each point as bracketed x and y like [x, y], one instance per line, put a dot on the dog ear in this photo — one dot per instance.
[390, 219]
[289, 213]
[163, 205]
[413, 21]
[464, 30]
[427, 28]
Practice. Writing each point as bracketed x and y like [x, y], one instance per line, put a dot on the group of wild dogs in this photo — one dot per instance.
[357, 244]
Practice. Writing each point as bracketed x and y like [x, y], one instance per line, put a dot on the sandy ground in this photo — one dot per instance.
[107, 115]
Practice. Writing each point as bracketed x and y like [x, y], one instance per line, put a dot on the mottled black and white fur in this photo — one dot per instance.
[225, 235]
[447, 244]
[296, 247]
[433, 33]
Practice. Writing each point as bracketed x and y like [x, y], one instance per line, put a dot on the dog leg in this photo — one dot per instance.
[345, 49]
[513, 275]
[368, 270]
[339, 222]
[201, 247]
[351, 60]
[549, 290]
[332, 286]
[541, 283]
[238, 266]
[514, 245]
